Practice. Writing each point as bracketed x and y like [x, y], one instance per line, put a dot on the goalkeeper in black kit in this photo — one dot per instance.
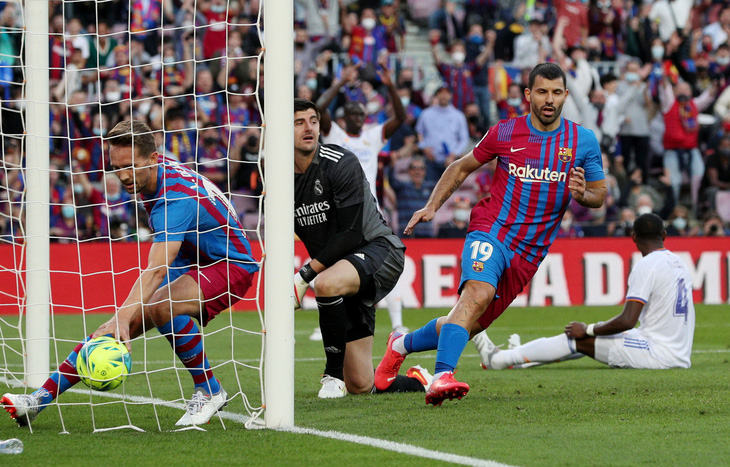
[356, 258]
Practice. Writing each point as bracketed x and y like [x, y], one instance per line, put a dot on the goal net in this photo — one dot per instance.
[73, 241]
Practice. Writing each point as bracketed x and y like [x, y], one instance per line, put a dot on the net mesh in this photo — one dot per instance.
[190, 70]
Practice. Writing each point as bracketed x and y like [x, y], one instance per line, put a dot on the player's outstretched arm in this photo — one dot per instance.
[589, 194]
[623, 322]
[450, 181]
[162, 254]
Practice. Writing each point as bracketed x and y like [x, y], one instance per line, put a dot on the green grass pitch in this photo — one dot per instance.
[573, 413]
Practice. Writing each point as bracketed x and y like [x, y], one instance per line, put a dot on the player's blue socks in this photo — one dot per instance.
[452, 340]
[425, 338]
[61, 379]
[188, 345]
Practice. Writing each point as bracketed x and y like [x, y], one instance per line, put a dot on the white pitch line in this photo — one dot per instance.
[400, 448]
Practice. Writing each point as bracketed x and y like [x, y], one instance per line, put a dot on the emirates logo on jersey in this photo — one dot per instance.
[318, 190]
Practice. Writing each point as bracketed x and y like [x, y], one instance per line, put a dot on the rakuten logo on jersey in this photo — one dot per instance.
[311, 214]
[530, 174]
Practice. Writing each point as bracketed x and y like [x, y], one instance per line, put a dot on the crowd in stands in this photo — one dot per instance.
[650, 78]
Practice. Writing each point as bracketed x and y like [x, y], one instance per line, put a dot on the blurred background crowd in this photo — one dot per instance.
[650, 78]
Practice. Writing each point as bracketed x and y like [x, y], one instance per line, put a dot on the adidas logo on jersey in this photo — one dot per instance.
[330, 154]
[360, 255]
[529, 174]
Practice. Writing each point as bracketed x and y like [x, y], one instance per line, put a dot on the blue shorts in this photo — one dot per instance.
[486, 259]
[483, 259]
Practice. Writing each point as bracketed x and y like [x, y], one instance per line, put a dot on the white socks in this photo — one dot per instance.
[543, 350]
[399, 345]
[395, 307]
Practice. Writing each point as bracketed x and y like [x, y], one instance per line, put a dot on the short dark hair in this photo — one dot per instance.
[300, 105]
[649, 227]
[607, 78]
[353, 106]
[133, 134]
[549, 71]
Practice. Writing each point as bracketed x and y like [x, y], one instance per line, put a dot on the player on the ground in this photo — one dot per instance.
[659, 295]
[356, 257]
[199, 265]
[543, 162]
[366, 144]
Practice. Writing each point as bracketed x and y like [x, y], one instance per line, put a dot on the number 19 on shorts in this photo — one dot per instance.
[481, 251]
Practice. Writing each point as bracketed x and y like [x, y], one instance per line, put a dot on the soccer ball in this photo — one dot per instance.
[103, 363]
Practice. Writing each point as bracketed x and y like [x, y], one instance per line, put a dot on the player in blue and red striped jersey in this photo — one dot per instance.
[199, 265]
[543, 161]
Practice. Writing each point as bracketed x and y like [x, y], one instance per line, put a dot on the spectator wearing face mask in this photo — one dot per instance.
[459, 224]
[656, 75]
[681, 136]
[662, 201]
[367, 44]
[459, 75]
[678, 223]
[515, 105]
[644, 204]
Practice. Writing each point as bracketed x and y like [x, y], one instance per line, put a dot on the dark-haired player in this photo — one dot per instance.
[199, 265]
[543, 162]
[355, 257]
[659, 295]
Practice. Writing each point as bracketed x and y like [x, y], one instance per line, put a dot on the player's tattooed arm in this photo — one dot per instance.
[446, 197]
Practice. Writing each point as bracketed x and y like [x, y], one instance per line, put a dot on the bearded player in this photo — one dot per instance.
[543, 160]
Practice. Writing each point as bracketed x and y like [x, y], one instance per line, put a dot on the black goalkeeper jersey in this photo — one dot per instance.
[334, 179]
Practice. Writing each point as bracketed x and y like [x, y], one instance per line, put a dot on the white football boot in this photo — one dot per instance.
[486, 349]
[202, 407]
[332, 388]
[23, 408]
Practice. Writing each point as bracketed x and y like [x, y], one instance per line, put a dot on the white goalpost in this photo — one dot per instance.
[66, 260]
[279, 131]
[37, 325]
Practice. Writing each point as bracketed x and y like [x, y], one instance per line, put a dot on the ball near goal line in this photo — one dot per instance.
[103, 363]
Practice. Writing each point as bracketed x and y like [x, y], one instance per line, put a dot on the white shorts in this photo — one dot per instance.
[627, 350]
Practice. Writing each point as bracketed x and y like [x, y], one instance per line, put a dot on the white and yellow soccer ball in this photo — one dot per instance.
[103, 363]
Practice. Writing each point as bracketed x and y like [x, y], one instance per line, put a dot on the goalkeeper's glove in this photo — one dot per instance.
[301, 282]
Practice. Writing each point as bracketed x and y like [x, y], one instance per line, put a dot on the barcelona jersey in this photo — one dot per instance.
[189, 208]
[530, 191]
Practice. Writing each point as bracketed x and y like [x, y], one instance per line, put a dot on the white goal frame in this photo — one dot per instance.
[278, 266]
